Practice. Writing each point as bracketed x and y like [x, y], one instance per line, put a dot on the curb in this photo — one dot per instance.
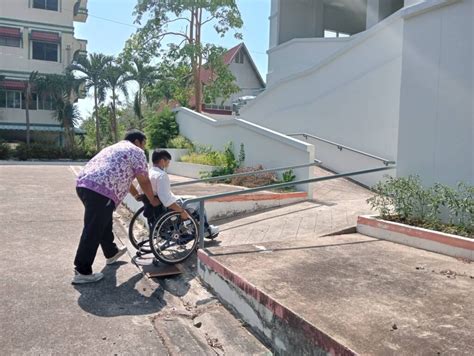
[286, 331]
[429, 240]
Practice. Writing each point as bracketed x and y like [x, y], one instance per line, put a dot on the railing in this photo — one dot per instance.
[214, 179]
[201, 200]
[385, 161]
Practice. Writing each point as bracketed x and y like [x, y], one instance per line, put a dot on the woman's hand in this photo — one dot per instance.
[184, 215]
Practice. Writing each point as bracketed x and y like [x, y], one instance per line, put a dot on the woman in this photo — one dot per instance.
[101, 186]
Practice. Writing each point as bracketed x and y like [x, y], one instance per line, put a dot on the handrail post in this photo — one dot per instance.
[201, 224]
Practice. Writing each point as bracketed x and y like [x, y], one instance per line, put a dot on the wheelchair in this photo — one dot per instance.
[164, 233]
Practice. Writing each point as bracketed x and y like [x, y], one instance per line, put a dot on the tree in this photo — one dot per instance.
[222, 84]
[93, 68]
[27, 93]
[194, 14]
[145, 75]
[64, 91]
[174, 84]
[161, 128]
[107, 135]
[116, 78]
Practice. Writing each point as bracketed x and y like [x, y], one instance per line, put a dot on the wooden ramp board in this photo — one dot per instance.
[162, 270]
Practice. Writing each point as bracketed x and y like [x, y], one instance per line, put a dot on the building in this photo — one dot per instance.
[35, 35]
[391, 78]
[247, 78]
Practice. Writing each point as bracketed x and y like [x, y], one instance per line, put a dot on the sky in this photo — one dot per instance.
[110, 24]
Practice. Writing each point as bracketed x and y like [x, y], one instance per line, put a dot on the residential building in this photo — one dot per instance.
[247, 78]
[35, 35]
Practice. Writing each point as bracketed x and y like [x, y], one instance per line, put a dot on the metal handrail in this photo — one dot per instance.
[341, 147]
[202, 199]
[213, 179]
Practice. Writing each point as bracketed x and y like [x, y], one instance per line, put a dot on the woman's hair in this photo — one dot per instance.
[158, 155]
[134, 135]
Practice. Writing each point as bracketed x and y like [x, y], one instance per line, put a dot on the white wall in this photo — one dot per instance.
[436, 137]
[20, 59]
[18, 14]
[300, 54]
[19, 9]
[262, 146]
[352, 97]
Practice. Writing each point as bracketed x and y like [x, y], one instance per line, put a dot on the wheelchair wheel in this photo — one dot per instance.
[138, 231]
[173, 240]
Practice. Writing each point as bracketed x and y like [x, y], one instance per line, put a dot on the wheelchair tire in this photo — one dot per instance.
[137, 241]
[170, 241]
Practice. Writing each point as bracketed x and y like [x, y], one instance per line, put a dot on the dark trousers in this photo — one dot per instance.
[97, 230]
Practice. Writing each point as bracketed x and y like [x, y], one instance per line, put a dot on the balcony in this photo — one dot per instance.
[80, 11]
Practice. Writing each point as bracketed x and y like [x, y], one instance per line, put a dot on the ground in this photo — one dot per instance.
[126, 313]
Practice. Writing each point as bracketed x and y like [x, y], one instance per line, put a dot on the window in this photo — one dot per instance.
[13, 99]
[10, 36]
[239, 57]
[45, 51]
[3, 98]
[10, 41]
[33, 102]
[46, 4]
[335, 34]
[45, 102]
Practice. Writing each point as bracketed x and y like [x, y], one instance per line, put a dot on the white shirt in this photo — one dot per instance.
[161, 185]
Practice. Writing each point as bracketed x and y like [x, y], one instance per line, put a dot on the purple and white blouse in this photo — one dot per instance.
[112, 171]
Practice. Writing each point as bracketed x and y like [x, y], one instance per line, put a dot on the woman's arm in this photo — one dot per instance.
[145, 184]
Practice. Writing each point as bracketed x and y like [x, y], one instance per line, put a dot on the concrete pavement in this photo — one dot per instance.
[42, 313]
[350, 293]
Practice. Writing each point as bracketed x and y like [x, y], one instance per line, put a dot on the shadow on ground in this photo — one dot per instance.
[107, 299]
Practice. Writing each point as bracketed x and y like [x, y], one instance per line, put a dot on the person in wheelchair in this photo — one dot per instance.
[162, 189]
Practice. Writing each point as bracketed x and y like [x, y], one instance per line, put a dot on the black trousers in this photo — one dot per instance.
[97, 230]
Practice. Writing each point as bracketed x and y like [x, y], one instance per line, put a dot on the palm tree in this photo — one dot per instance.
[145, 75]
[116, 78]
[64, 90]
[27, 93]
[93, 68]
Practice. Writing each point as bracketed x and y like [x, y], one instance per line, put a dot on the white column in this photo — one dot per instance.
[373, 18]
[318, 18]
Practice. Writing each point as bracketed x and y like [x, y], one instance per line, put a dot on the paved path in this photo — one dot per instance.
[42, 313]
[335, 207]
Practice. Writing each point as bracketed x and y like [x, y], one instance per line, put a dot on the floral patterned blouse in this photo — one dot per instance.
[111, 172]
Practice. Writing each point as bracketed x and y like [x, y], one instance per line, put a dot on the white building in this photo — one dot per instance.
[35, 35]
[247, 78]
[388, 77]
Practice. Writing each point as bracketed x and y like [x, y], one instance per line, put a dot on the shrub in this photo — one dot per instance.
[254, 180]
[287, 177]
[161, 128]
[210, 159]
[180, 142]
[229, 164]
[5, 150]
[404, 199]
[49, 151]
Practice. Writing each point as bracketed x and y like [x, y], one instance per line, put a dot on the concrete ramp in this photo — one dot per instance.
[346, 294]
